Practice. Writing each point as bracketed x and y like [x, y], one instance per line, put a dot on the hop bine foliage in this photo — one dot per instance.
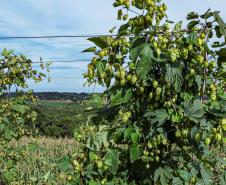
[165, 116]
[15, 70]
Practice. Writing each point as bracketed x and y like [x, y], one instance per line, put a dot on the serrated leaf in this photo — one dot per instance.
[144, 66]
[19, 108]
[205, 176]
[157, 174]
[192, 15]
[184, 175]
[90, 49]
[191, 38]
[64, 164]
[198, 81]
[112, 159]
[121, 96]
[99, 140]
[194, 130]
[177, 181]
[134, 137]
[218, 31]
[192, 24]
[137, 47]
[194, 110]
[134, 153]
[159, 116]
[178, 26]
[221, 23]
[207, 14]
[102, 41]
[174, 76]
[127, 133]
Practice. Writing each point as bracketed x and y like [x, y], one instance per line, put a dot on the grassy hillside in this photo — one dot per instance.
[59, 118]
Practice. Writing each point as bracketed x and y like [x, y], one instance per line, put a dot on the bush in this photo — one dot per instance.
[15, 70]
[158, 127]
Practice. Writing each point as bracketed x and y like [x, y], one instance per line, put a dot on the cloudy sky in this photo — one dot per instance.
[71, 17]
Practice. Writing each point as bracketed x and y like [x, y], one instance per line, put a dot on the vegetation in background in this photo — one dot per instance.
[60, 118]
[40, 161]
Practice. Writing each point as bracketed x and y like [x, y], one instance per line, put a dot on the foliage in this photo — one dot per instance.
[15, 70]
[59, 118]
[166, 108]
[40, 161]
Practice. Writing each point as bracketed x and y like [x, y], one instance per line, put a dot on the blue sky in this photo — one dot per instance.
[70, 17]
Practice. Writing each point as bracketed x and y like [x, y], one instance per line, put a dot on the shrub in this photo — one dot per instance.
[165, 118]
[15, 70]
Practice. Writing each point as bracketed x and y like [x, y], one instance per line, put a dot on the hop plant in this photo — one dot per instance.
[165, 104]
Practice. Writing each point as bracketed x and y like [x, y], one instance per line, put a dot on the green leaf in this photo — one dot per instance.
[123, 30]
[194, 110]
[205, 176]
[192, 15]
[144, 66]
[222, 52]
[207, 14]
[192, 24]
[198, 81]
[134, 137]
[177, 181]
[98, 140]
[112, 159]
[178, 26]
[137, 47]
[121, 96]
[100, 67]
[194, 130]
[19, 108]
[159, 116]
[102, 41]
[112, 29]
[174, 76]
[134, 152]
[164, 180]
[184, 175]
[64, 163]
[127, 133]
[157, 174]
[191, 38]
[90, 49]
[221, 23]
[218, 31]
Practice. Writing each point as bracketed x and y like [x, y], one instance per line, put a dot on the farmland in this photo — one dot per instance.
[41, 160]
[43, 157]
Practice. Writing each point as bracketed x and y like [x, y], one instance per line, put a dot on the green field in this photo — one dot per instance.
[43, 157]
[60, 118]
[40, 160]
